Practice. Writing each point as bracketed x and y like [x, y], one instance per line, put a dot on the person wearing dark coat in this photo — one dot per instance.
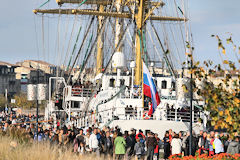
[132, 142]
[194, 145]
[151, 143]
[166, 142]
[108, 145]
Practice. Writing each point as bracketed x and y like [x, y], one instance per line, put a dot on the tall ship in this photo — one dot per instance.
[101, 82]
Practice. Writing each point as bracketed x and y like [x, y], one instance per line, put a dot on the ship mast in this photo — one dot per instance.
[119, 25]
[142, 14]
[99, 65]
[139, 47]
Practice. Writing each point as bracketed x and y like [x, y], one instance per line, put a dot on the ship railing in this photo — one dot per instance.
[81, 92]
[182, 116]
[171, 116]
[138, 113]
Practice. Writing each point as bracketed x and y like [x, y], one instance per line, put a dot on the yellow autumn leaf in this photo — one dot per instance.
[214, 97]
[236, 100]
[224, 51]
[213, 123]
[234, 48]
[226, 111]
[229, 119]
[225, 62]
[221, 113]
[223, 125]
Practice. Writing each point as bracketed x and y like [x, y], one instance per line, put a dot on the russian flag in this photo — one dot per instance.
[149, 89]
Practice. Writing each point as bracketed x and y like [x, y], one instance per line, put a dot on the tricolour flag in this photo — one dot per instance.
[149, 89]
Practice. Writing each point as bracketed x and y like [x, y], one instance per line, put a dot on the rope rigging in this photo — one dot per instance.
[74, 47]
[67, 54]
[79, 51]
[43, 4]
[164, 51]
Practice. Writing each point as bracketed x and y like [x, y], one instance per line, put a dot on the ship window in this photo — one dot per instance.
[164, 84]
[173, 86]
[112, 82]
[75, 104]
[122, 81]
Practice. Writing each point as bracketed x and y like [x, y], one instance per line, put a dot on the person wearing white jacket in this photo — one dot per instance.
[176, 145]
[93, 142]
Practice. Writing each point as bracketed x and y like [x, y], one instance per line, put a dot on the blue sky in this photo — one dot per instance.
[18, 38]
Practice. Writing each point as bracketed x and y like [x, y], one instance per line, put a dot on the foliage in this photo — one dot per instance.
[220, 88]
[2, 100]
[222, 156]
[19, 135]
[22, 102]
[11, 149]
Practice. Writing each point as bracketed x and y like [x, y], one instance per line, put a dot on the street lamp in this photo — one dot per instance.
[37, 92]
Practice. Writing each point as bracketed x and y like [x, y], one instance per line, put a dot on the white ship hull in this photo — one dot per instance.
[118, 106]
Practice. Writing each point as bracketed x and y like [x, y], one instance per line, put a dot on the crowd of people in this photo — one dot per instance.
[112, 143]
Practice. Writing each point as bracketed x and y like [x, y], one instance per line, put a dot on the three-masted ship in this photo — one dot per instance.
[106, 89]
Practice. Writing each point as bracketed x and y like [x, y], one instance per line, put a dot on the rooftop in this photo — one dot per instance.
[6, 64]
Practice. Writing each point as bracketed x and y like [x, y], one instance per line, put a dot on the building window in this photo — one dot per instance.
[164, 84]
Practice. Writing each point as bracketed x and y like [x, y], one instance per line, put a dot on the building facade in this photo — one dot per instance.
[8, 81]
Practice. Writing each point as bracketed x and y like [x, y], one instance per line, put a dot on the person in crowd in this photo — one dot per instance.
[128, 144]
[86, 139]
[194, 144]
[60, 137]
[166, 142]
[80, 138]
[156, 149]
[40, 135]
[108, 145]
[218, 144]
[199, 136]
[94, 143]
[140, 135]
[81, 149]
[120, 145]
[211, 144]
[139, 149]
[151, 143]
[202, 143]
[222, 138]
[71, 136]
[132, 142]
[227, 142]
[30, 132]
[176, 145]
[170, 135]
[234, 146]
[184, 145]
